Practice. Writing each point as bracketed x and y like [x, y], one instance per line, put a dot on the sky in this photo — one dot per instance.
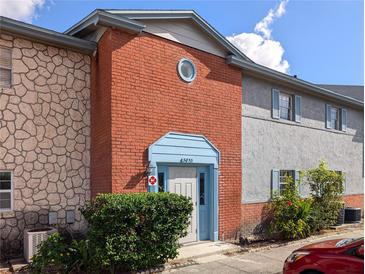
[319, 41]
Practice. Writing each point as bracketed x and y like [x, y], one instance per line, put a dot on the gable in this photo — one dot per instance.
[185, 32]
[195, 31]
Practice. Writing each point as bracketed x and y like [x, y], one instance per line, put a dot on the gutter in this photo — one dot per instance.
[100, 17]
[44, 35]
[298, 83]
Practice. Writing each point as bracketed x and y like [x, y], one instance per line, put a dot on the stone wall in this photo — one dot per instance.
[44, 137]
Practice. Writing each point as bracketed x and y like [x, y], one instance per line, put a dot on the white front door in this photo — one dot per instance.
[182, 180]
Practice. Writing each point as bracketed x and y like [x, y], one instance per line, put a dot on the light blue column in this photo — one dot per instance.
[154, 188]
[215, 204]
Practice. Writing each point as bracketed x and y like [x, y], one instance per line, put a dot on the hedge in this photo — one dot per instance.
[137, 231]
[127, 232]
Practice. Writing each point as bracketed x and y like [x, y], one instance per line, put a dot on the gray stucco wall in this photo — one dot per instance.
[278, 144]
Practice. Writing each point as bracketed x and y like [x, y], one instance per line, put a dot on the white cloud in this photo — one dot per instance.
[260, 46]
[23, 10]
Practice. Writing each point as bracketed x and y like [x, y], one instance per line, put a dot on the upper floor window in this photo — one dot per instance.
[285, 106]
[336, 118]
[186, 70]
[5, 190]
[5, 67]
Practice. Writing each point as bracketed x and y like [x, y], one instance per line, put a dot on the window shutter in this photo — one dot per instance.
[5, 58]
[297, 108]
[275, 104]
[328, 116]
[343, 119]
[297, 182]
[344, 182]
[5, 67]
[275, 181]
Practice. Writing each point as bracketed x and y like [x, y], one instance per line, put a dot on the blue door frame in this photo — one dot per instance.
[178, 149]
[203, 206]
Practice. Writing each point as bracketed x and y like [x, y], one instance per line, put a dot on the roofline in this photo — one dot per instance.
[276, 75]
[100, 17]
[32, 32]
[340, 85]
[182, 14]
[110, 17]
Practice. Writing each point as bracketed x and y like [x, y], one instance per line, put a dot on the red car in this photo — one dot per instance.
[328, 257]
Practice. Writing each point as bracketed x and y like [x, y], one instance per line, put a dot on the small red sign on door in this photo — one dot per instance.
[152, 180]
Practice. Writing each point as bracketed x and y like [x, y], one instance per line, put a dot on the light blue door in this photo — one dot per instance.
[203, 202]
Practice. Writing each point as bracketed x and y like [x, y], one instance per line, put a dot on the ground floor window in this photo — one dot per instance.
[284, 174]
[5, 190]
[202, 188]
[161, 181]
[340, 172]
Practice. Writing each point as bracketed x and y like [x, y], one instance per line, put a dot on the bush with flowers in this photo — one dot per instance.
[290, 213]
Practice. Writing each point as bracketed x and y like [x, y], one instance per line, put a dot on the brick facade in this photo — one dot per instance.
[148, 99]
[356, 200]
[253, 218]
[101, 119]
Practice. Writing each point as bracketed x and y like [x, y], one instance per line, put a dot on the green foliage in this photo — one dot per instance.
[136, 231]
[57, 255]
[127, 232]
[290, 213]
[326, 189]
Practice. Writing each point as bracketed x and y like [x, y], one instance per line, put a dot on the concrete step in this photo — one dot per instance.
[205, 248]
[347, 226]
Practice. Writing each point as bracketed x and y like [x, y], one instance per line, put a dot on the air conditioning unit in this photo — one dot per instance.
[352, 215]
[33, 238]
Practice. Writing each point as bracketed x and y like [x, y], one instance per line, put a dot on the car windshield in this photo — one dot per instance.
[348, 241]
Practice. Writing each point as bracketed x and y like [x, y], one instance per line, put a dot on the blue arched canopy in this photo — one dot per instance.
[180, 149]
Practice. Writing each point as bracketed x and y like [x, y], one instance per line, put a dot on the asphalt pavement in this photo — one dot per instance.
[263, 261]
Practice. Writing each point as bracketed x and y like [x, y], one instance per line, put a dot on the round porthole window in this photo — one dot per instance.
[186, 70]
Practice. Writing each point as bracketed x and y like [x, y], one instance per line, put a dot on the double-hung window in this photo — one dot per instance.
[283, 179]
[336, 118]
[6, 193]
[5, 67]
[286, 107]
[279, 180]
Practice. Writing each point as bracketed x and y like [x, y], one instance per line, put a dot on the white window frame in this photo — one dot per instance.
[341, 172]
[7, 191]
[280, 177]
[337, 125]
[182, 76]
[8, 68]
[290, 118]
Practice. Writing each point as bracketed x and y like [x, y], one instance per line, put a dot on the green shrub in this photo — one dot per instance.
[326, 189]
[57, 255]
[136, 231]
[290, 213]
